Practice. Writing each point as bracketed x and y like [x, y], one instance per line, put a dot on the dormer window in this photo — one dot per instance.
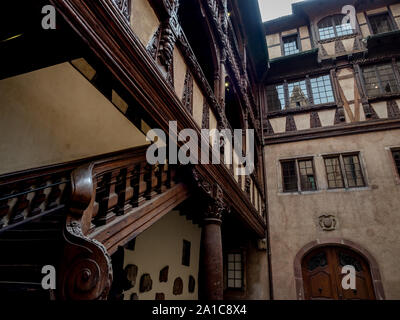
[334, 27]
[290, 45]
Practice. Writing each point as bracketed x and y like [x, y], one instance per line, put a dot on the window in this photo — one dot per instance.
[380, 23]
[322, 90]
[290, 45]
[380, 79]
[396, 158]
[289, 176]
[344, 171]
[297, 173]
[353, 171]
[333, 27]
[186, 253]
[298, 95]
[235, 271]
[275, 98]
[334, 173]
[306, 171]
[301, 93]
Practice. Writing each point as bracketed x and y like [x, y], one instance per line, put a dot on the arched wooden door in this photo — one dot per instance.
[322, 275]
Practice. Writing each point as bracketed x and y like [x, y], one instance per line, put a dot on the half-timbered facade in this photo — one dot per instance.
[331, 132]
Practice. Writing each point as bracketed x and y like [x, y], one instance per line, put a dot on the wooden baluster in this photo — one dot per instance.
[4, 206]
[128, 187]
[159, 170]
[39, 197]
[102, 198]
[55, 193]
[148, 178]
[135, 183]
[22, 202]
[167, 176]
[120, 189]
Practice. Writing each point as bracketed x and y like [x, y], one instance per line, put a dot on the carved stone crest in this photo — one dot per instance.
[327, 222]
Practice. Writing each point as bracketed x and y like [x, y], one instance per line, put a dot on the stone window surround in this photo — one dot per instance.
[299, 186]
[373, 265]
[343, 169]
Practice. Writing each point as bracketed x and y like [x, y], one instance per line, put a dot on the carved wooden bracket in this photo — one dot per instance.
[216, 206]
[85, 271]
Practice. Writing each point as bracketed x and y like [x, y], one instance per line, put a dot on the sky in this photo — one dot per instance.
[271, 9]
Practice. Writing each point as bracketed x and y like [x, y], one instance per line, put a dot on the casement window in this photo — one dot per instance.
[380, 79]
[344, 171]
[290, 45]
[235, 271]
[298, 175]
[380, 23]
[396, 158]
[333, 27]
[300, 93]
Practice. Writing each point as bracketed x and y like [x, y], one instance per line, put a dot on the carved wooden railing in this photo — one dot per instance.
[27, 195]
[120, 184]
[92, 193]
[100, 192]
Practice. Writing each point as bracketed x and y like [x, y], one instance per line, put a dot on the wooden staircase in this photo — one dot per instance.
[73, 216]
[25, 249]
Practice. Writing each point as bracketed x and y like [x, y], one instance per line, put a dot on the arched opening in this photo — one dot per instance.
[195, 27]
[318, 268]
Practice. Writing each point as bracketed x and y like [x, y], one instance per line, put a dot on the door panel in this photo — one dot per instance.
[322, 275]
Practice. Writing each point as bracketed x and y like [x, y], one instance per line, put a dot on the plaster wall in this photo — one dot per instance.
[367, 216]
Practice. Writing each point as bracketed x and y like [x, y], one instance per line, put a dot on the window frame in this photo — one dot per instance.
[298, 43]
[395, 67]
[298, 177]
[343, 170]
[354, 31]
[242, 261]
[310, 96]
[396, 170]
[374, 15]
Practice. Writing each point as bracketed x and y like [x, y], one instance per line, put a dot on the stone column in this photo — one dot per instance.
[212, 260]
[211, 283]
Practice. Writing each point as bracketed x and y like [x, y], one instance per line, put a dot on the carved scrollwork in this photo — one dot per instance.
[125, 7]
[216, 206]
[85, 271]
[167, 43]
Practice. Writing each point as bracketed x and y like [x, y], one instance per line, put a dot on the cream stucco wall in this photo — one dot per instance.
[54, 115]
[144, 21]
[161, 246]
[367, 216]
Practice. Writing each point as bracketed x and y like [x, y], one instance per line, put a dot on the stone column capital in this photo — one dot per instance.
[216, 205]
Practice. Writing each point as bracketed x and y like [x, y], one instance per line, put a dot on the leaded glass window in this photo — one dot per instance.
[298, 95]
[333, 27]
[290, 45]
[322, 90]
[235, 271]
[380, 79]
